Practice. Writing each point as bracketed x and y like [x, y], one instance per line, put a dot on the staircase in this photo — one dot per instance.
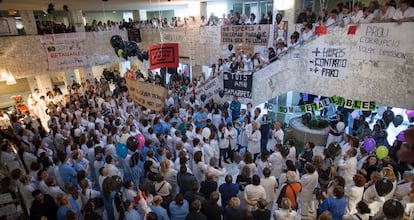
[375, 64]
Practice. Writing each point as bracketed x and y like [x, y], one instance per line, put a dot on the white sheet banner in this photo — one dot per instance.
[210, 88]
[62, 38]
[69, 55]
[384, 42]
[327, 61]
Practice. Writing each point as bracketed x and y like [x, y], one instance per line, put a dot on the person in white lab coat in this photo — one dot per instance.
[309, 182]
[276, 161]
[347, 165]
[253, 146]
[270, 185]
[354, 193]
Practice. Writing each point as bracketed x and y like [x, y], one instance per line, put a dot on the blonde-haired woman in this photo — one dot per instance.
[170, 175]
[285, 211]
[253, 145]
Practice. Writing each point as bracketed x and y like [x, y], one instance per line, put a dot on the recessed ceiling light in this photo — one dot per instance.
[114, 12]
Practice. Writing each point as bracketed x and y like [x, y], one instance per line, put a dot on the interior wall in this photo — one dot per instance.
[103, 16]
[374, 71]
[8, 91]
[161, 14]
[29, 48]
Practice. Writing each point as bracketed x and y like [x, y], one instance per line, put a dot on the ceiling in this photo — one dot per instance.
[88, 5]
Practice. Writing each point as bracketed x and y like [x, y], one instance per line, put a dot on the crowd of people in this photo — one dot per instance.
[51, 27]
[72, 168]
[358, 13]
[63, 155]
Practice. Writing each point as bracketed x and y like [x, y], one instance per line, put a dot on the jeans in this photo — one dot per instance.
[223, 153]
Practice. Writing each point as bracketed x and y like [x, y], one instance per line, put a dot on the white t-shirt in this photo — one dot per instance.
[409, 13]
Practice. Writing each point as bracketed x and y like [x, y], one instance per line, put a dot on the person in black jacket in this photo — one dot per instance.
[208, 186]
[185, 180]
[262, 213]
[196, 211]
[210, 207]
[194, 194]
[43, 205]
[233, 211]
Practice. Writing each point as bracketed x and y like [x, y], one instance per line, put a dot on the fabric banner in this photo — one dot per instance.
[62, 38]
[208, 35]
[382, 42]
[245, 34]
[328, 62]
[210, 88]
[69, 55]
[147, 94]
[163, 55]
[317, 106]
[238, 84]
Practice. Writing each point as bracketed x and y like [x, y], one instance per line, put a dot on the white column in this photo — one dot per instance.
[76, 19]
[70, 76]
[29, 22]
[124, 66]
[136, 15]
[195, 9]
[44, 84]
[288, 8]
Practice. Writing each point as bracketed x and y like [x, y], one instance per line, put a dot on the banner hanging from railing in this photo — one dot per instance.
[317, 106]
[245, 34]
[238, 84]
[211, 88]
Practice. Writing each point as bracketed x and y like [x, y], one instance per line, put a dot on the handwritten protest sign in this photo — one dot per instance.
[65, 50]
[382, 42]
[210, 88]
[239, 85]
[69, 55]
[245, 34]
[163, 55]
[327, 62]
[62, 38]
[147, 94]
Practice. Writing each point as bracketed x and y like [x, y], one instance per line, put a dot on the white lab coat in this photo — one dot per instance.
[354, 195]
[309, 182]
[347, 169]
[253, 145]
[276, 160]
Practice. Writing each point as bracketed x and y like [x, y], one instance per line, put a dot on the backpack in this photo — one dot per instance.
[282, 194]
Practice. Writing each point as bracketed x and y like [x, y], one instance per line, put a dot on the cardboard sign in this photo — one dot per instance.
[163, 55]
[147, 94]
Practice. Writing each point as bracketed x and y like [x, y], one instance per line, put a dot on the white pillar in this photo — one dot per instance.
[70, 76]
[195, 9]
[124, 66]
[29, 22]
[288, 7]
[44, 84]
[76, 19]
[136, 15]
